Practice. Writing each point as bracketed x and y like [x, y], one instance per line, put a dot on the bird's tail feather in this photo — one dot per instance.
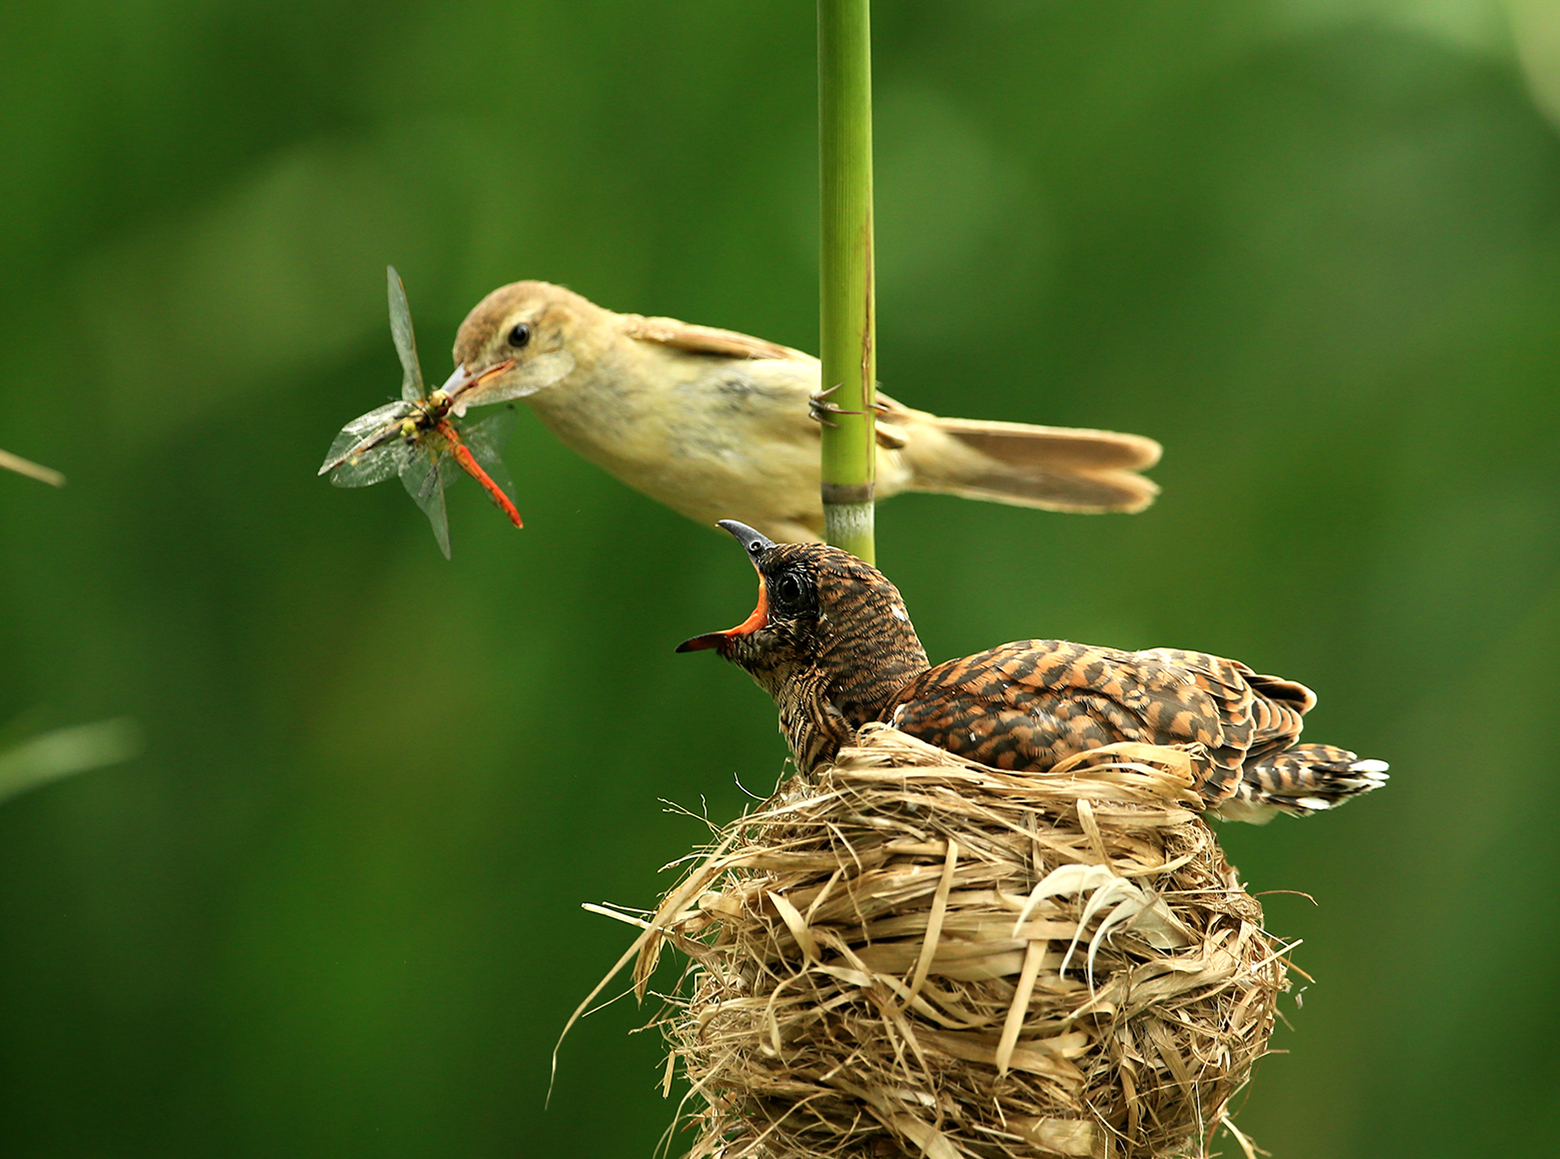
[1058, 468]
[1075, 447]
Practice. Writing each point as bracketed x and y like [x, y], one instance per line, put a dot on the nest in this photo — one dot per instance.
[918, 955]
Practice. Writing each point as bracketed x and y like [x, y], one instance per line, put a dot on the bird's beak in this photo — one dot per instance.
[457, 382]
[755, 545]
[464, 387]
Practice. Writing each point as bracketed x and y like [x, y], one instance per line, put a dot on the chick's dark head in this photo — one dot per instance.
[826, 625]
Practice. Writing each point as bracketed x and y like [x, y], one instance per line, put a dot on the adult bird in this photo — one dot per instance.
[708, 421]
[832, 643]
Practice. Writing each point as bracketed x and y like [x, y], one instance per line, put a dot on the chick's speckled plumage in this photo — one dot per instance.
[832, 644]
[708, 421]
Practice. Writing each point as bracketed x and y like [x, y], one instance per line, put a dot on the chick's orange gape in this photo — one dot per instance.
[832, 643]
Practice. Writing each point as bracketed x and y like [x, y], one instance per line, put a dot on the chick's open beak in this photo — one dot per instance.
[755, 544]
[757, 620]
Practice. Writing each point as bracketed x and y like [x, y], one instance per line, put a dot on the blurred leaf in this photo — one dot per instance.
[32, 470]
[65, 751]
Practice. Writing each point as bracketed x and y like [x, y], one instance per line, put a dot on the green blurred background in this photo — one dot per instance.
[333, 908]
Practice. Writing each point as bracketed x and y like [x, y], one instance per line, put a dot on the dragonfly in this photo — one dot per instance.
[423, 437]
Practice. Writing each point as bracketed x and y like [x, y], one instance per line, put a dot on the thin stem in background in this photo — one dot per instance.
[32, 470]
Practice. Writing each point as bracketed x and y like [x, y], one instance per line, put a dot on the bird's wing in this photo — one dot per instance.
[1275, 708]
[1032, 703]
[889, 429]
[707, 339]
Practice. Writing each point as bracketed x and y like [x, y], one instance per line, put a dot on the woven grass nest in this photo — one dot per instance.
[918, 955]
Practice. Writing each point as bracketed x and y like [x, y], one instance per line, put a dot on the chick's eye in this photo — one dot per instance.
[788, 590]
[520, 335]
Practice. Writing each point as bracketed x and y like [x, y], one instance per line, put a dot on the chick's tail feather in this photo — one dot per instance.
[1305, 779]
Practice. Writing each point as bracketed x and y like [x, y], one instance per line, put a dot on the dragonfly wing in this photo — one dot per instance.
[425, 473]
[405, 340]
[485, 439]
[364, 451]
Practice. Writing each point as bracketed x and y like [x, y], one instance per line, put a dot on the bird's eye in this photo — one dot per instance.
[789, 590]
[520, 335]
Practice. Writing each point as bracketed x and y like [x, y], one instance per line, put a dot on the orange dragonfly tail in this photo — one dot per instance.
[465, 458]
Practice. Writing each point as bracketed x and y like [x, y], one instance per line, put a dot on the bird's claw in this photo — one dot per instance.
[818, 407]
